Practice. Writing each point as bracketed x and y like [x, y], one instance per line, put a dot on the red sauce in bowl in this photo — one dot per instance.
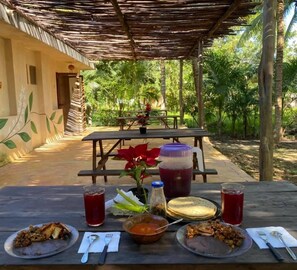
[144, 228]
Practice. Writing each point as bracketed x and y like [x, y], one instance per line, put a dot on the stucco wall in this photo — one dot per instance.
[32, 123]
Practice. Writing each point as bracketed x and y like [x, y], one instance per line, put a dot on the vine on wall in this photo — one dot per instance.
[18, 127]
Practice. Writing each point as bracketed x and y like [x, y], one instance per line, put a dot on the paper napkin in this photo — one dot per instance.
[274, 241]
[98, 245]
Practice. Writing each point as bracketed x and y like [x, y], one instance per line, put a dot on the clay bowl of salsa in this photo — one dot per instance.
[143, 228]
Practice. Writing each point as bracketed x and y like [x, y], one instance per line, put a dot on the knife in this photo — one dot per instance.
[276, 254]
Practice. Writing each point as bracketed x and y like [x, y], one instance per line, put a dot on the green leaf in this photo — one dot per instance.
[33, 127]
[53, 116]
[60, 119]
[26, 114]
[10, 144]
[31, 101]
[48, 125]
[56, 131]
[25, 136]
[3, 122]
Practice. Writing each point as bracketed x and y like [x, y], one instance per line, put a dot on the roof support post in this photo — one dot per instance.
[200, 85]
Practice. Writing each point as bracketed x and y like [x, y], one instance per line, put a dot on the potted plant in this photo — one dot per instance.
[143, 118]
[138, 158]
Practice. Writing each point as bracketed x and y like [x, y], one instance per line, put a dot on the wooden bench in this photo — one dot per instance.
[150, 171]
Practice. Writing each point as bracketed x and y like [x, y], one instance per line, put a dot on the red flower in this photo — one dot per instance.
[138, 159]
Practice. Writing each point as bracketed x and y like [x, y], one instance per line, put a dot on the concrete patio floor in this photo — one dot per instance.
[57, 163]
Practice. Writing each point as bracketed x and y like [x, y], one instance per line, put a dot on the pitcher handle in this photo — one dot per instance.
[199, 155]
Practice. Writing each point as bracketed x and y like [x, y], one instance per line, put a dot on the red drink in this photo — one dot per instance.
[177, 183]
[94, 205]
[232, 206]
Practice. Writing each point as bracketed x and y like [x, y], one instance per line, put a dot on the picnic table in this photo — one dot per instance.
[129, 121]
[97, 138]
[265, 204]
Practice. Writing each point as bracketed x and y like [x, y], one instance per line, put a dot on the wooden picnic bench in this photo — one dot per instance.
[97, 138]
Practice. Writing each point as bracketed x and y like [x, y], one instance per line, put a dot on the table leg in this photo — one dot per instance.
[102, 156]
[200, 139]
[94, 162]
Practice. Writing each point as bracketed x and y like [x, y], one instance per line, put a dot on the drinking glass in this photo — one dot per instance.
[94, 201]
[232, 203]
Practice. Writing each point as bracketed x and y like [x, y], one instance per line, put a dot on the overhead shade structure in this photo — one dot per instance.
[136, 29]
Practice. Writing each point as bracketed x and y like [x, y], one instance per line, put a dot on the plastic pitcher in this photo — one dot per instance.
[176, 169]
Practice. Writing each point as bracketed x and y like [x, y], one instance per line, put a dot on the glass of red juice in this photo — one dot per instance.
[232, 203]
[94, 201]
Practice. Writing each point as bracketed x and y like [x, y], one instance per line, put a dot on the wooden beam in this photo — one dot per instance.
[124, 25]
[216, 26]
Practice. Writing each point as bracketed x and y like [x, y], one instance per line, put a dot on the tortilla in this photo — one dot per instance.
[193, 208]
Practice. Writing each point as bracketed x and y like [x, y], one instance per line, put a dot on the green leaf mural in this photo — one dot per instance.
[48, 126]
[31, 101]
[26, 114]
[3, 122]
[53, 116]
[60, 119]
[33, 127]
[25, 136]
[10, 144]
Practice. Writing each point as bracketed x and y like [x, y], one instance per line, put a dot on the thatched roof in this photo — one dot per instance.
[135, 29]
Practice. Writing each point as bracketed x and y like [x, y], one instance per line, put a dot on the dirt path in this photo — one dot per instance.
[245, 154]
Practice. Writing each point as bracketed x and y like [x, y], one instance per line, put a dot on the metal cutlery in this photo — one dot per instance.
[107, 240]
[276, 254]
[279, 236]
[92, 238]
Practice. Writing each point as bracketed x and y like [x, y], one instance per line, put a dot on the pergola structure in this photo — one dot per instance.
[135, 29]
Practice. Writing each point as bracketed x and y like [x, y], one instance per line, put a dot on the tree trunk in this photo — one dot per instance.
[196, 79]
[279, 72]
[200, 84]
[181, 100]
[265, 81]
[163, 85]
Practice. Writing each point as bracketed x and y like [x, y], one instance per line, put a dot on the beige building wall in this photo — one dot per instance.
[27, 121]
[29, 74]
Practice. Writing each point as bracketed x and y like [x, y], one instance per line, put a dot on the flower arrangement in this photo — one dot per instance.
[138, 158]
[143, 118]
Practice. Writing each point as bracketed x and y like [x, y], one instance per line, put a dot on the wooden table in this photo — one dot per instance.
[99, 167]
[163, 119]
[266, 204]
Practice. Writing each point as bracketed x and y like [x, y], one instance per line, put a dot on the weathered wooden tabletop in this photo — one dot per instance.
[151, 133]
[266, 204]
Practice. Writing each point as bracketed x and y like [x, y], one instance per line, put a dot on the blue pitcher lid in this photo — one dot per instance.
[175, 150]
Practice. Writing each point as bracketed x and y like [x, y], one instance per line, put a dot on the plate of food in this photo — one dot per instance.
[214, 239]
[192, 208]
[41, 240]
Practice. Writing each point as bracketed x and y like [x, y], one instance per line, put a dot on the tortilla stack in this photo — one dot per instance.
[191, 208]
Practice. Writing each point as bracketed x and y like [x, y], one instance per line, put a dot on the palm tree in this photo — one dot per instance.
[265, 81]
[284, 8]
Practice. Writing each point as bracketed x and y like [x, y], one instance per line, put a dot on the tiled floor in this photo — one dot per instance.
[57, 163]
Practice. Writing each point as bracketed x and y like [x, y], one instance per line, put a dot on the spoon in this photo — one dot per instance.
[91, 239]
[279, 236]
[174, 222]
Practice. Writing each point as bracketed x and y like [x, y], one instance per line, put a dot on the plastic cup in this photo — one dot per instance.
[94, 201]
[232, 203]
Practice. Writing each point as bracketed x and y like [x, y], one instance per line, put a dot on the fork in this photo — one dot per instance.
[280, 237]
[276, 254]
[107, 240]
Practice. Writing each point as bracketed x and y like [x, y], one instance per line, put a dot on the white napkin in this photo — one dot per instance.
[98, 245]
[274, 241]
